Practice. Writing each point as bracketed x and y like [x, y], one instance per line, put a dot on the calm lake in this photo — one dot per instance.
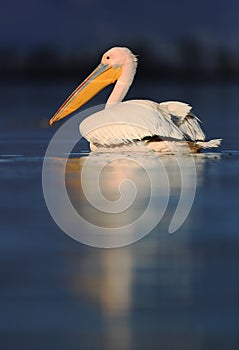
[165, 291]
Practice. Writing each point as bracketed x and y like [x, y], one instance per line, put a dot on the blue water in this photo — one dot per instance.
[178, 291]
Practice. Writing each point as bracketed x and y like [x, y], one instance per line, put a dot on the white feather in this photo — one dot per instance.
[209, 144]
[179, 109]
[181, 116]
[128, 121]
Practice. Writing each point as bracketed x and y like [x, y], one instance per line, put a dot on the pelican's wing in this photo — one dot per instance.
[127, 122]
[181, 115]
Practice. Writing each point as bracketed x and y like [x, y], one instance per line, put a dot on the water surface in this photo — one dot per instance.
[177, 291]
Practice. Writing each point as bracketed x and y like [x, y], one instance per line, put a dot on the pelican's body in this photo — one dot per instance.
[135, 124]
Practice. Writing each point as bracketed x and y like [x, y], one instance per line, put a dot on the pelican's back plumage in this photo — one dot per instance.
[181, 115]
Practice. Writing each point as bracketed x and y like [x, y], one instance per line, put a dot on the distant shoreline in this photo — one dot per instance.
[189, 60]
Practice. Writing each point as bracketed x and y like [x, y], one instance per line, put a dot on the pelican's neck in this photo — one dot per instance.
[124, 82]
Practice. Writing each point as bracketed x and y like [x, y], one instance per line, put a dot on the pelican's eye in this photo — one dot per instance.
[108, 57]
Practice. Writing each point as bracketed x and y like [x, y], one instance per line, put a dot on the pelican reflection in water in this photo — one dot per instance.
[108, 278]
[134, 124]
[114, 192]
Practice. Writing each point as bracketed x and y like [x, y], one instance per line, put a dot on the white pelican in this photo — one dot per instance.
[163, 127]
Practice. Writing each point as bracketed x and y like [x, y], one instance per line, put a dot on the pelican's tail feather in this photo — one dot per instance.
[209, 144]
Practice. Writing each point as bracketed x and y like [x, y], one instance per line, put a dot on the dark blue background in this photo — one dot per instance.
[167, 292]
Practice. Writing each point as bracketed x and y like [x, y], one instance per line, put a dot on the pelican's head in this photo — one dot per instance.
[118, 63]
[119, 57]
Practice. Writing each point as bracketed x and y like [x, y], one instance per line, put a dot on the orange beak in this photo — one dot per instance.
[101, 77]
